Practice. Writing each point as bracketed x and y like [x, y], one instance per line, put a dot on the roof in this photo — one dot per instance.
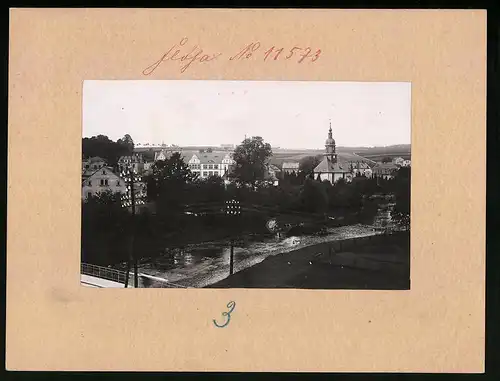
[360, 165]
[328, 166]
[274, 167]
[290, 164]
[89, 173]
[186, 156]
[134, 158]
[209, 157]
[385, 168]
[95, 159]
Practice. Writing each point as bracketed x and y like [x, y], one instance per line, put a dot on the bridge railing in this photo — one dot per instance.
[119, 276]
[105, 273]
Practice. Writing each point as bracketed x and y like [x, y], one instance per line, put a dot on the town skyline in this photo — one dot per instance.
[215, 113]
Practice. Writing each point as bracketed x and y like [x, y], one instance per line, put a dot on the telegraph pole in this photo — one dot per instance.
[134, 255]
[233, 209]
[130, 199]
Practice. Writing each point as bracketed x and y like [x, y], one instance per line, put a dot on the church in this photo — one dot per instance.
[330, 168]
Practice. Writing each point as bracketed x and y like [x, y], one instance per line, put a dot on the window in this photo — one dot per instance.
[103, 172]
[216, 166]
[90, 183]
[210, 173]
[205, 174]
[106, 182]
[89, 194]
[102, 182]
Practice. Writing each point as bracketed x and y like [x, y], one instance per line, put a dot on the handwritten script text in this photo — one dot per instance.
[187, 56]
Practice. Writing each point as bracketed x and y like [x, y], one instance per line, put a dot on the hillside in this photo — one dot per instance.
[282, 154]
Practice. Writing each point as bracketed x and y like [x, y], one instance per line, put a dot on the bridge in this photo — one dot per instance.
[106, 277]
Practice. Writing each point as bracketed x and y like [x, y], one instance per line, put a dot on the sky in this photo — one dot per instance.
[287, 114]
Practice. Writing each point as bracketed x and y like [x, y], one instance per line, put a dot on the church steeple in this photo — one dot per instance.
[330, 146]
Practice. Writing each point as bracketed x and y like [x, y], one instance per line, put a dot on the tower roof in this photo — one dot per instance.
[330, 141]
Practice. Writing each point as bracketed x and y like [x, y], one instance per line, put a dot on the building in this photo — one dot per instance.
[290, 167]
[102, 180]
[274, 170]
[148, 167]
[93, 163]
[398, 161]
[360, 168]
[330, 168]
[272, 174]
[135, 162]
[90, 165]
[406, 163]
[161, 155]
[385, 170]
[208, 164]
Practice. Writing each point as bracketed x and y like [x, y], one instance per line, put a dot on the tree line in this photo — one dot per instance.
[102, 146]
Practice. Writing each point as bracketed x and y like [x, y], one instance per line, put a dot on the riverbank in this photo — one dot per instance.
[374, 262]
[200, 266]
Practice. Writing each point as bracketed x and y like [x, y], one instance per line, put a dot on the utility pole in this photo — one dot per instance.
[131, 199]
[233, 209]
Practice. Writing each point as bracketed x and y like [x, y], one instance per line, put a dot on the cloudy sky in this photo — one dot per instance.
[290, 114]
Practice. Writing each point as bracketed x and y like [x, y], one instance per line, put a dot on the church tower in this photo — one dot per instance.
[330, 146]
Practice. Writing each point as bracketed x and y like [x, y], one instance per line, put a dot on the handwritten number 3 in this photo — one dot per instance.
[231, 305]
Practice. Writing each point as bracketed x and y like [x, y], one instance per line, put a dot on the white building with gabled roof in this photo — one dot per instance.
[208, 164]
[102, 180]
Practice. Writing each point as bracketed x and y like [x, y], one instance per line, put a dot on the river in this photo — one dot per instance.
[202, 265]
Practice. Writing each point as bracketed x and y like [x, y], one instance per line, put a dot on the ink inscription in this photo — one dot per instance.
[274, 53]
[187, 56]
[231, 305]
[180, 53]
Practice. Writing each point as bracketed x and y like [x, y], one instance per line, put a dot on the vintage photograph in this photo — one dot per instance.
[246, 184]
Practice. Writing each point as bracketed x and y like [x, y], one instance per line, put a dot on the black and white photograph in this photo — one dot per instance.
[246, 184]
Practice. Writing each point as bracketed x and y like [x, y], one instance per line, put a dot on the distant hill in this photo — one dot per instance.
[283, 154]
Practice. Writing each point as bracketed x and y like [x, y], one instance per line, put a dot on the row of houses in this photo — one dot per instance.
[97, 176]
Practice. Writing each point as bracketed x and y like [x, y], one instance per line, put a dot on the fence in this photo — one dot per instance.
[105, 273]
[120, 276]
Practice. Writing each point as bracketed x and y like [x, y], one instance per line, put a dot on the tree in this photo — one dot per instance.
[314, 197]
[386, 159]
[126, 145]
[402, 193]
[148, 155]
[308, 163]
[169, 180]
[251, 157]
[107, 149]
[210, 189]
[173, 169]
[104, 224]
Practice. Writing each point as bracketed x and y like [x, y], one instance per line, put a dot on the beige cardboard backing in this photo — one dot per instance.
[55, 324]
